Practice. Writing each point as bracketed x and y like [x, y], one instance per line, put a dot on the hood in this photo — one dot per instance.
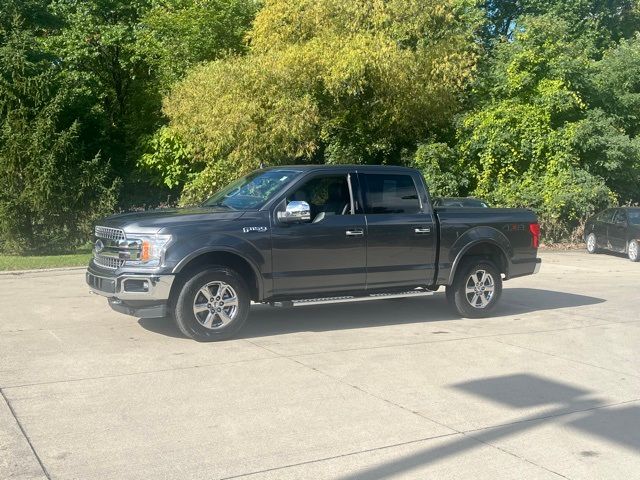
[152, 221]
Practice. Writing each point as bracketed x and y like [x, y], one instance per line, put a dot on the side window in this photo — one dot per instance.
[620, 218]
[326, 195]
[391, 194]
[607, 216]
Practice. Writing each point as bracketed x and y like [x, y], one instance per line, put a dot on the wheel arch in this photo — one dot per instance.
[494, 247]
[224, 257]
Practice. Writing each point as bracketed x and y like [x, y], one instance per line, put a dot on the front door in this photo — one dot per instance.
[327, 253]
[601, 228]
[618, 231]
[401, 232]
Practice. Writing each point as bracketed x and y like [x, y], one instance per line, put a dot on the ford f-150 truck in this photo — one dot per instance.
[300, 235]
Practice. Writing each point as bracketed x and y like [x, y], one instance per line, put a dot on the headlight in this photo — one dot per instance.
[145, 250]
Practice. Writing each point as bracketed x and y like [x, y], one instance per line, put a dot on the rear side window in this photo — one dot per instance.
[390, 194]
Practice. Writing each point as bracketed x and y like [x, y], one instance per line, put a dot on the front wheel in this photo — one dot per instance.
[592, 245]
[476, 289]
[212, 305]
[632, 251]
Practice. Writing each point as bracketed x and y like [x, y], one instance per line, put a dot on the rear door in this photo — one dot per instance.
[401, 230]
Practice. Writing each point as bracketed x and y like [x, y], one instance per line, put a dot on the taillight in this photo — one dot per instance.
[534, 228]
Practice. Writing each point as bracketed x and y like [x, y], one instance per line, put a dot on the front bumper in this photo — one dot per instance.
[137, 294]
[130, 286]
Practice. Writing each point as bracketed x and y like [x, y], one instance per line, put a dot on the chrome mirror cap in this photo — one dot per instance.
[295, 212]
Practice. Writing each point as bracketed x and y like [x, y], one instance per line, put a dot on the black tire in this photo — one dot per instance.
[633, 251]
[592, 243]
[462, 301]
[186, 318]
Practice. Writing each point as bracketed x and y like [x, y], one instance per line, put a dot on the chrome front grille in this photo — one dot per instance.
[112, 263]
[106, 251]
[109, 233]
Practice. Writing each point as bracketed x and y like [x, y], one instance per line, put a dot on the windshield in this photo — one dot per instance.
[461, 203]
[252, 191]
[634, 217]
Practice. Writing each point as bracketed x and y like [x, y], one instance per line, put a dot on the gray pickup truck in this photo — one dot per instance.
[301, 235]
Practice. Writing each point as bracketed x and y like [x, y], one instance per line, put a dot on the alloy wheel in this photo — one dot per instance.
[215, 305]
[479, 289]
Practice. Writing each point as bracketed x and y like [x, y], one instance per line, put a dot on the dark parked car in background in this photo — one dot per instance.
[459, 202]
[615, 229]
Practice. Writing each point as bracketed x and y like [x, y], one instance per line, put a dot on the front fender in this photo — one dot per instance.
[252, 250]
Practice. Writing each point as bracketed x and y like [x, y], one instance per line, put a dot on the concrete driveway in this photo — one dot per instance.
[548, 388]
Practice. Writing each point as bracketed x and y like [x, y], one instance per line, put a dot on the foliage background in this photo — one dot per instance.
[108, 105]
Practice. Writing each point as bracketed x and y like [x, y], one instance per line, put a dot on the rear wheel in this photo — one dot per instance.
[633, 251]
[476, 289]
[212, 305]
[592, 245]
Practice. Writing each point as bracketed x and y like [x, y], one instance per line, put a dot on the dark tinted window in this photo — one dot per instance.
[606, 216]
[620, 217]
[326, 194]
[634, 217]
[391, 194]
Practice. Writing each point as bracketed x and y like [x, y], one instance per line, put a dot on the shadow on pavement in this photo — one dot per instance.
[616, 424]
[267, 321]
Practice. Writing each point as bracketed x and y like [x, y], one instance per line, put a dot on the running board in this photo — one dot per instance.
[349, 298]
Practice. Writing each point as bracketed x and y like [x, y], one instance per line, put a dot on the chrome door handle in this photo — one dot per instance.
[357, 232]
[422, 230]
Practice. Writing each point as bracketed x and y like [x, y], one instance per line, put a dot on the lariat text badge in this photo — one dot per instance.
[254, 229]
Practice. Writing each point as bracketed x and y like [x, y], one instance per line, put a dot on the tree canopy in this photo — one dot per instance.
[115, 104]
[331, 81]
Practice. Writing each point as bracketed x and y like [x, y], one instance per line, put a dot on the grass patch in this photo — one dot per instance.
[31, 262]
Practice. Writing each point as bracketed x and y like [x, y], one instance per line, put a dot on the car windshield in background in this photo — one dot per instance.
[252, 191]
[461, 203]
[634, 216]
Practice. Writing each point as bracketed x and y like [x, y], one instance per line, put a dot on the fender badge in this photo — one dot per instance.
[254, 229]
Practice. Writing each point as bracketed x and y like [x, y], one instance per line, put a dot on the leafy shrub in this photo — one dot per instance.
[437, 162]
[50, 188]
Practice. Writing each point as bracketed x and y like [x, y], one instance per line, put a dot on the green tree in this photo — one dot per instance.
[525, 142]
[175, 35]
[96, 48]
[329, 80]
[50, 188]
[605, 22]
[125, 54]
[438, 163]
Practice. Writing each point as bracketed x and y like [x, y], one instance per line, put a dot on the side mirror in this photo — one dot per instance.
[296, 212]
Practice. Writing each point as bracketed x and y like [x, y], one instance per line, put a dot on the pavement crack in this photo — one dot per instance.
[426, 342]
[562, 357]
[24, 434]
[344, 455]
[546, 417]
[129, 374]
[515, 455]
